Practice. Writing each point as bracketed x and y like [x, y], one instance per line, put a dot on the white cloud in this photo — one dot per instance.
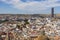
[32, 6]
[10, 1]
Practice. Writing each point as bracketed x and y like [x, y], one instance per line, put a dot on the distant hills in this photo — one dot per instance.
[31, 15]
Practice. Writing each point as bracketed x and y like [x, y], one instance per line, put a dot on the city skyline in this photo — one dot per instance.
[29, 6]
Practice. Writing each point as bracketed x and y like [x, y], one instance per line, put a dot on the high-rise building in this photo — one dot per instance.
[52, 12]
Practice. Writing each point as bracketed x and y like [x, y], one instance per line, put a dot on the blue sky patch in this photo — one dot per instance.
[30, 7]
[31, 0]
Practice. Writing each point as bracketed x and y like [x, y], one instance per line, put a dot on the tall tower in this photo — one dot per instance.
[52, 12]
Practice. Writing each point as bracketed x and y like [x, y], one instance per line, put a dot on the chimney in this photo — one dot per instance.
[52, 12]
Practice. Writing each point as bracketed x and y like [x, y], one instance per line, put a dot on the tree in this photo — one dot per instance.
[26, 21]
[43, 36]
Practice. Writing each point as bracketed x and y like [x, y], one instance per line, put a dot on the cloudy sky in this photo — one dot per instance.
[29, 6]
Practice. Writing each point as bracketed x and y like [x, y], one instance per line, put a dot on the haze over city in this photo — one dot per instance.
[29, 6]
